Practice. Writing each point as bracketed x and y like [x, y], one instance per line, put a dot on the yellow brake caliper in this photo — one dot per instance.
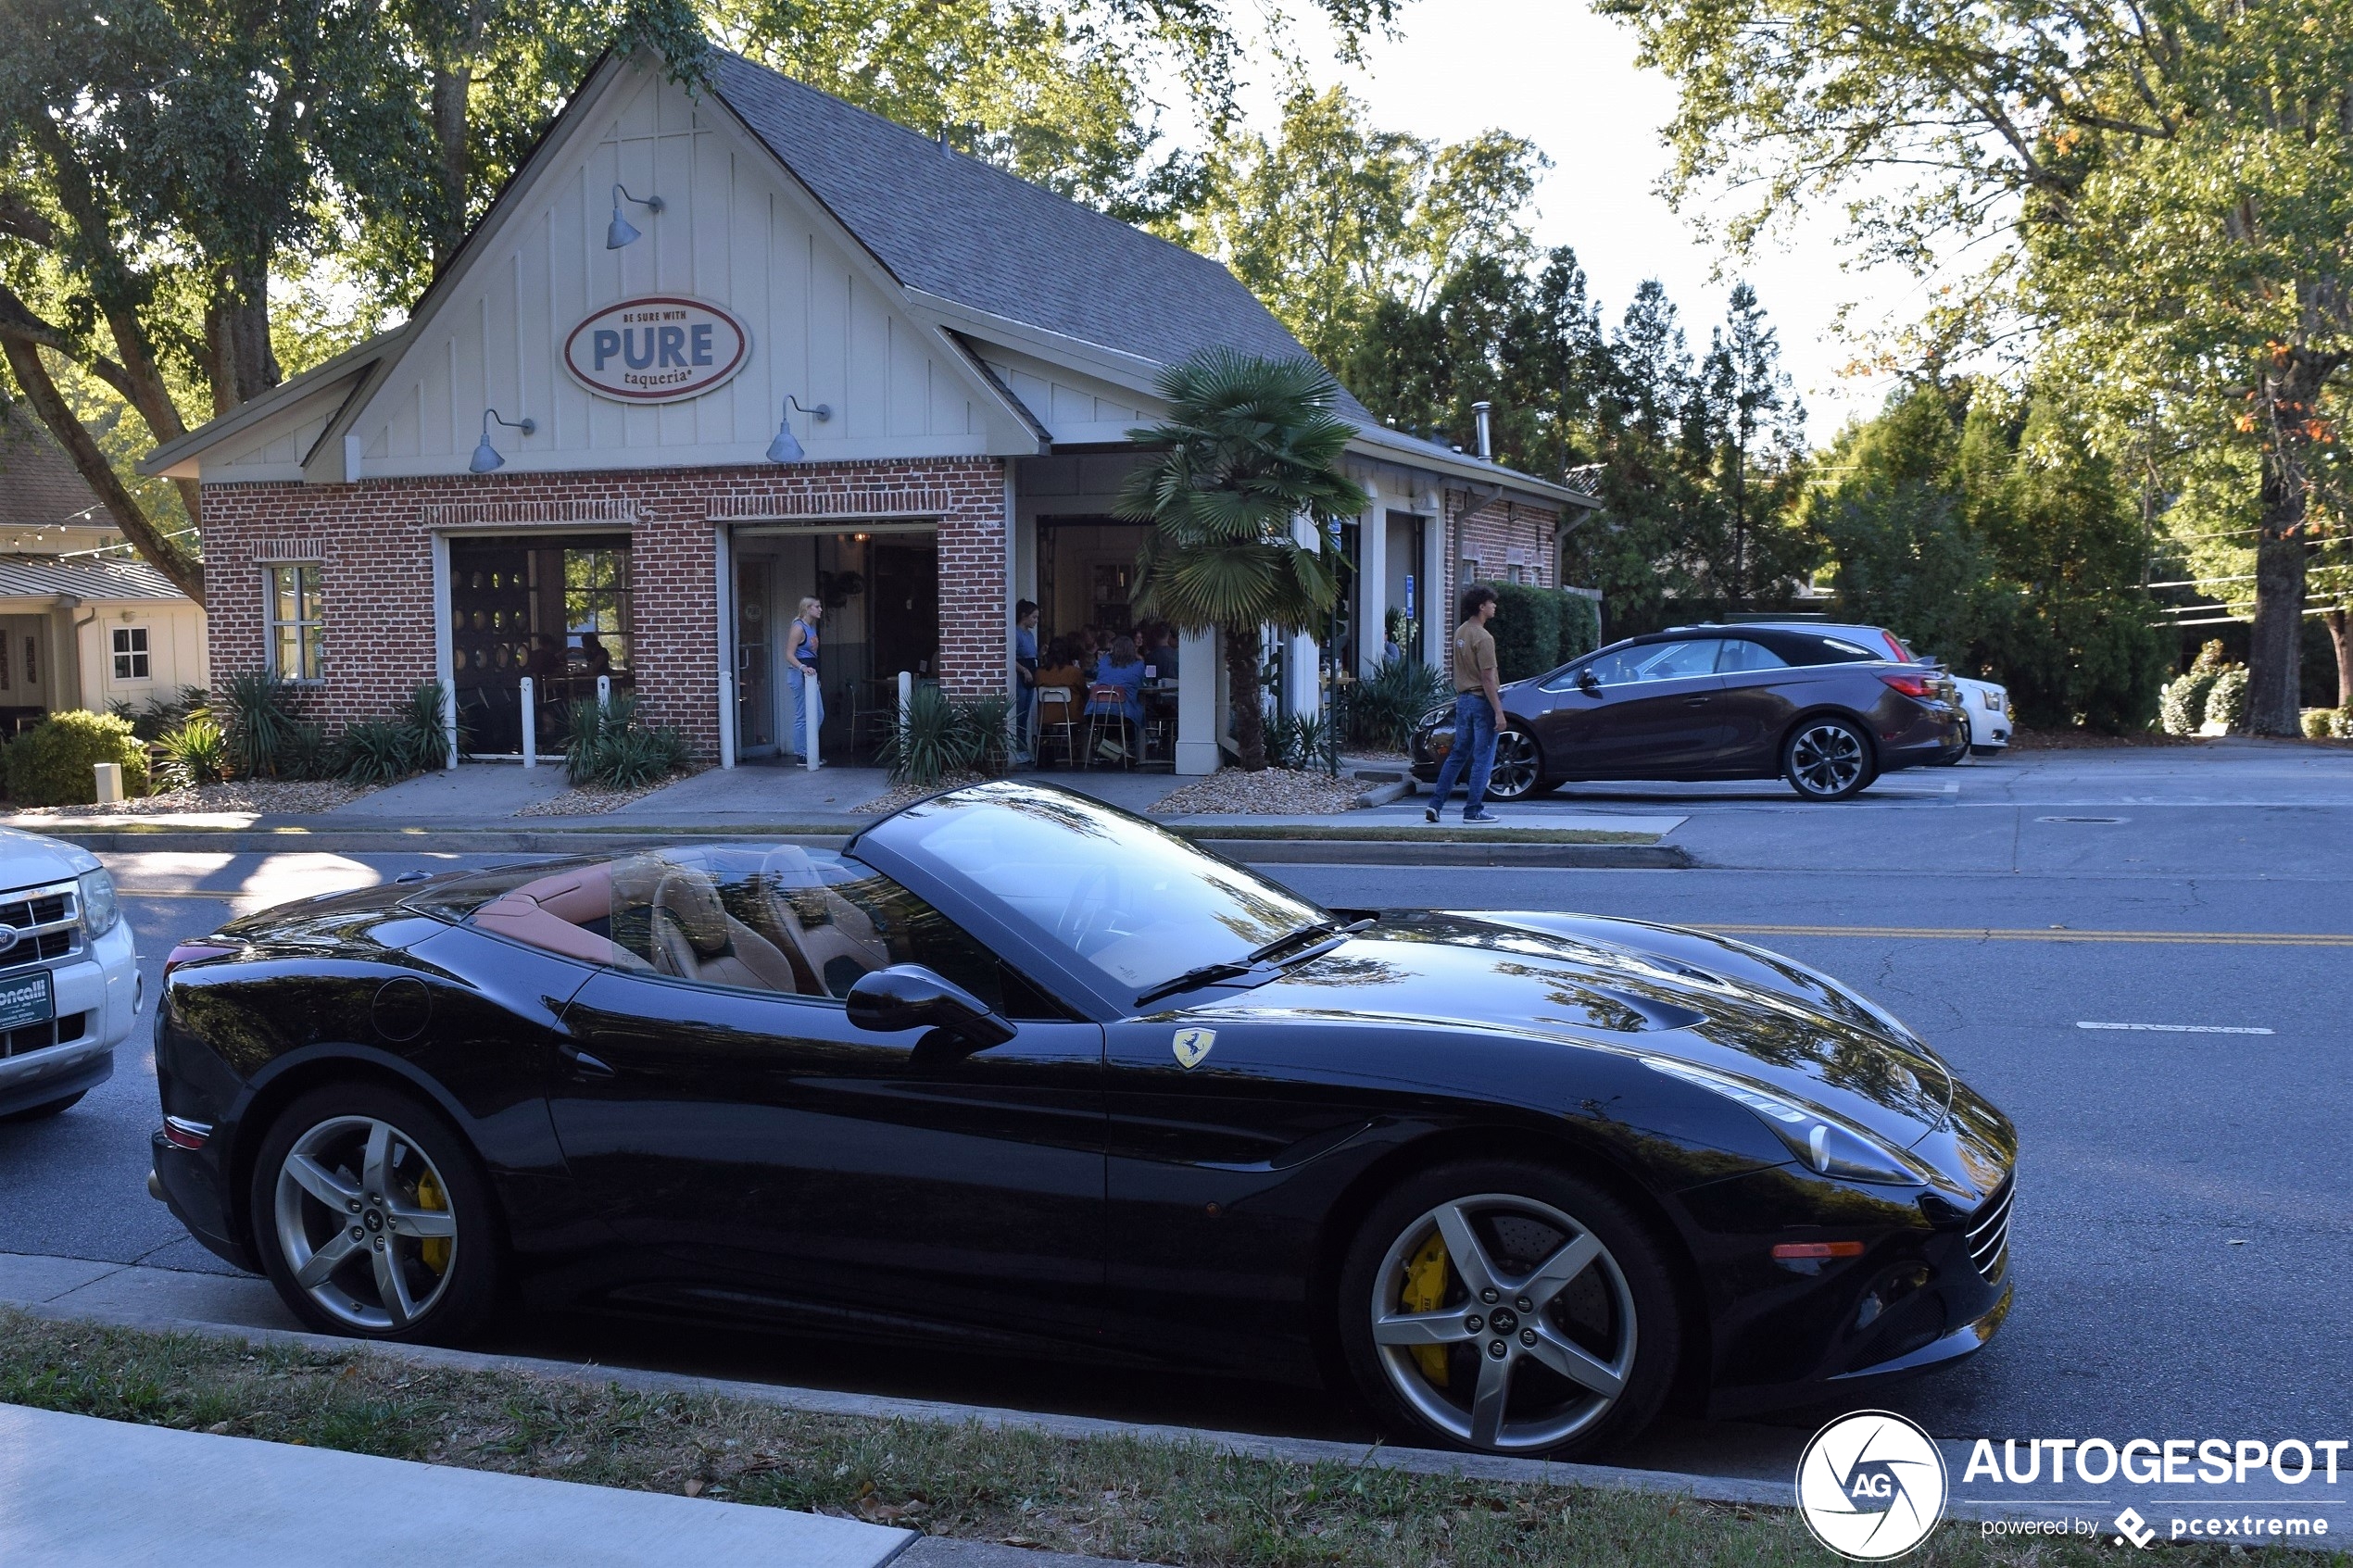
[433, 1250]
[1424, 1289]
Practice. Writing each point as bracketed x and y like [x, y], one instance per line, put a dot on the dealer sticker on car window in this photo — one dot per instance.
[26, 1000]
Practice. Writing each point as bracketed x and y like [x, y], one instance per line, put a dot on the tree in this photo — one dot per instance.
[1332, 217]
[1762, 426]
[2172, 179]
[1242, 486]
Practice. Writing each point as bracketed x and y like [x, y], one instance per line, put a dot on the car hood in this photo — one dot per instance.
[1624, 985]
[29, 859]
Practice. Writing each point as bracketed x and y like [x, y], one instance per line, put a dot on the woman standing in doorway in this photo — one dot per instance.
[800, 669]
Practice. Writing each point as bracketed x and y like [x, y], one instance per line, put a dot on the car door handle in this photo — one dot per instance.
[585, 1063]
[1699, 701]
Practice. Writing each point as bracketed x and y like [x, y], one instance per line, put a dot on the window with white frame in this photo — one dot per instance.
[130, 653]
[294, 622]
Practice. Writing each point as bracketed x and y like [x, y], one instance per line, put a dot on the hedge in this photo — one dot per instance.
[51, 764]
[1581, 626]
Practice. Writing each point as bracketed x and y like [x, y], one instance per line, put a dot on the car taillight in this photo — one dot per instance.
[194, 952]
[180, 1133]
[1918, 686]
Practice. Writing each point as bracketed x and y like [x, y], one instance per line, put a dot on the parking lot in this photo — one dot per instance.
[2182, 1248]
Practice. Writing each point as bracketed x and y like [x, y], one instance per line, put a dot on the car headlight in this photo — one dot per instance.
[1821, 1142]
[101, 910]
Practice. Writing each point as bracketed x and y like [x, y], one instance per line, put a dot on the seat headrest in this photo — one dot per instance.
[691, 899]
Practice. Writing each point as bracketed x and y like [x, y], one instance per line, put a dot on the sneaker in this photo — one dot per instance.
[1482, 816]
[1430, 813]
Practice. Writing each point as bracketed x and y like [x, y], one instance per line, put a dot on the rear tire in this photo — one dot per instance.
[1583, 1312]
[1827, 759]
[44, 1112]
[371, 1217]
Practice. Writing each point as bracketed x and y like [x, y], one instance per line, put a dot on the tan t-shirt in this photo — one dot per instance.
[1474, 654]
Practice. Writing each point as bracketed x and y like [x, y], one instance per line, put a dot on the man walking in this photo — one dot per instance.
[1478, 709]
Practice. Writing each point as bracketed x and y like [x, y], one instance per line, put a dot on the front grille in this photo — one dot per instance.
[40, 1036]
[1989, 1232]
[50, 923]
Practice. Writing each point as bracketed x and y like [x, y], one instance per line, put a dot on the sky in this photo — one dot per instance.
[1565, 79]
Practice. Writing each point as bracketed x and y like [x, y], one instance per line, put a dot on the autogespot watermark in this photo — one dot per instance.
[1872, 1486]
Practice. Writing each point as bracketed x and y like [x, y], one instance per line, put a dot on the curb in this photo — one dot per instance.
[1450, 852]
[819, 1401]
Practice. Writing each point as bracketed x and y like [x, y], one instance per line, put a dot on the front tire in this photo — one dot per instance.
[372, 1220]
[1519, 766]
[1509, 1308]
[1827, 759]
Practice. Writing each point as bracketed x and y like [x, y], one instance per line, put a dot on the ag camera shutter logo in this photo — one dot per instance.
[1871, 1486]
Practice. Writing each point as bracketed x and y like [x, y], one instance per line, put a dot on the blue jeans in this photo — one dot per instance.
[1474, 745]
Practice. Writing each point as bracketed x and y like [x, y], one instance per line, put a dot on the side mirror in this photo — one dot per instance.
[1589, 682]
[908, 996]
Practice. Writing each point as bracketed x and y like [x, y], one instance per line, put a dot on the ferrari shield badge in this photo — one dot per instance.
[1193, 1044]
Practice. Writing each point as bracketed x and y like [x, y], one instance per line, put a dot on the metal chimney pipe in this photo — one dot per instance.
[1486, 437]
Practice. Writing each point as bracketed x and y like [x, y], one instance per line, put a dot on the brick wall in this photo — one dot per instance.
[1493, 531]
[375, 541]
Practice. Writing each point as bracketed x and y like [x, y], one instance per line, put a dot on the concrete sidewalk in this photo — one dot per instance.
[84, 1493]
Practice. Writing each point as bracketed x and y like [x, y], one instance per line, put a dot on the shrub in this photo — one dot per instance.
[257, 719]
[930, 741]
[376, 751]
[194, 754]
[2226, 700]
[1386, 705]
[1581, 626]
[2343, 728]
[610, 748]
[989, 724]
[1302, 741]
[50, 764]
[1526, 628]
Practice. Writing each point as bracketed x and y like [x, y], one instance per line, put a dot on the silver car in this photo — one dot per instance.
[69, 984]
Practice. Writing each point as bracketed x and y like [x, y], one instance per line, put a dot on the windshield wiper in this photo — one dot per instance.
[1227, 969]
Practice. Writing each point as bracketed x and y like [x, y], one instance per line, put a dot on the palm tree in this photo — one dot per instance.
[1245, 454]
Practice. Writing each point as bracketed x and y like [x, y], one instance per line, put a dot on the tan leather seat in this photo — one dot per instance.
[695, 938]
[548, 913]
[833, 937]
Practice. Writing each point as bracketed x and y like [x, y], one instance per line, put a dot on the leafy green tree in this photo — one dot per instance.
[2172, 179]
[1242, 482]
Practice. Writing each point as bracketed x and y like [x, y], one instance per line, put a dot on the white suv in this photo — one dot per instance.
[69, 984]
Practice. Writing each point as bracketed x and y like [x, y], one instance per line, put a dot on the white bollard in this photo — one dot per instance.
[109, 782]
[604, 693]
[530, 723]
[812, 695]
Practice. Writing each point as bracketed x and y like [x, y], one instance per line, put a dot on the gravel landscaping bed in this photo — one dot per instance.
[590, 800]
[269, 797]
[1274, 791]
[908, 794]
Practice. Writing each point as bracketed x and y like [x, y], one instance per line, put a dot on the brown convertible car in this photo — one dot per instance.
[1828, 708]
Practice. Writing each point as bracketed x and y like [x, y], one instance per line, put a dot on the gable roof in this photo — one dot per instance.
[964, 232]
[38, 484]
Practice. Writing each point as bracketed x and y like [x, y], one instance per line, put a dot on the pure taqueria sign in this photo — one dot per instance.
[657, 349]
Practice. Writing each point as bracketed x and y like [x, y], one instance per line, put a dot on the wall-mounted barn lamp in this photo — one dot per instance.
[620, 232]
[787, 448]
[485, 456]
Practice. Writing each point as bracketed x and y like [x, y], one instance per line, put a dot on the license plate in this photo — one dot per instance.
[26, 998]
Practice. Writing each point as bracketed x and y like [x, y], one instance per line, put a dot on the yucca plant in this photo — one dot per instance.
[256, 717]
[931, 740]
[377, 752]
[607, 748]
[194, 754]
[1248, 452]
[1386, 704]
[989, 731]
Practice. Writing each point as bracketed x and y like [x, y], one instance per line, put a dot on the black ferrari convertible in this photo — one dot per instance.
[1025, 1071]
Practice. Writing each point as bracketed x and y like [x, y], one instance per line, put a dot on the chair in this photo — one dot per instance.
[1057, 710]
[1107, 714]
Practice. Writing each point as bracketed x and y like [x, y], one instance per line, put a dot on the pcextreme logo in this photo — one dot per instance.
[1871, 1486]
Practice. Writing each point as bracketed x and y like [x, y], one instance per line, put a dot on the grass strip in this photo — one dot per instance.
[1118, 1497]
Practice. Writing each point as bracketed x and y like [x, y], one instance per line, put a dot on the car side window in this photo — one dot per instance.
[779, 918]
[1740, 654]
[1654, 662]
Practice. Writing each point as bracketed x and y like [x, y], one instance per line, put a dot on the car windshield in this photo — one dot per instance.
[1133, 900]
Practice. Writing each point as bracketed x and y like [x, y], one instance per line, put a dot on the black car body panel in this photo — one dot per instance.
[1720, 704]
[1081, 1186]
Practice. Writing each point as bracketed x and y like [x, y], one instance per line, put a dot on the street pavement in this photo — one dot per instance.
[2182, 1248]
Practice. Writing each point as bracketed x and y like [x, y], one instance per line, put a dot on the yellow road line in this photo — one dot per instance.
[2061, 933]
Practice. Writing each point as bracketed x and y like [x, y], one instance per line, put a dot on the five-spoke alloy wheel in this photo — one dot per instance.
[1827, 759]
[1509, 1309]
[369, 1217]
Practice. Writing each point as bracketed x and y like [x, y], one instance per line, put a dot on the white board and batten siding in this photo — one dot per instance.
[734, 230]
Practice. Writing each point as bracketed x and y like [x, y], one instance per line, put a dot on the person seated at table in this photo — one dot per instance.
[1120, 668]
[1160, 652]
[1060, 668]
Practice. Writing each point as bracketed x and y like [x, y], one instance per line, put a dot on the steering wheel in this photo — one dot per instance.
[1088, 899]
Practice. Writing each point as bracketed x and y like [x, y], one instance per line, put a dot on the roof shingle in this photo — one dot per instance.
[38, 482]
